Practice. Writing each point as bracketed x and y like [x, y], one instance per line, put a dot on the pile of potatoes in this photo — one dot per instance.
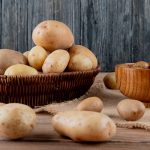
[88, 123]
[84, 123]
[55, 52]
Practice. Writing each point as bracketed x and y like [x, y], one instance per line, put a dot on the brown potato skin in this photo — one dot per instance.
[20, 69]
[52, 35]
[56, 62]
[16, 121]
[90, 104]
[141, 64]
[36, 57]
[82, 126]
[110, 81]
[79, 49]
[10, 57]
[80, 62]
[130, 110]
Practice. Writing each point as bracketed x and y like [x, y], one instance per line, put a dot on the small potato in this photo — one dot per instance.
[10, 57]
[110, 81]
[56, 62]
[91, 104]
[131, 110]
[36, 57]
[84, 125]
[79, 49]
[16, 120]
[79, 62]
[53, 35]
[141, 64]
[20, 69]
[26, 54]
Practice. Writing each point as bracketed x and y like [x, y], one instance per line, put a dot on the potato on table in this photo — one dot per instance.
[16, 120]
[84, 126]
[110, 81]
[90, 104]
[131, 110]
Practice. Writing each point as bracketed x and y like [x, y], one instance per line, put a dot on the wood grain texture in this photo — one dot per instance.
[116, 31]
[44, 137]
[14, 23]
[134, 82]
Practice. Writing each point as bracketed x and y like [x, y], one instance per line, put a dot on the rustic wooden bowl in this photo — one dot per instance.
[43, 89]
[133, 82]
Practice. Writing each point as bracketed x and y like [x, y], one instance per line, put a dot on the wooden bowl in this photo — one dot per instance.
[133, 82]
[43, 89]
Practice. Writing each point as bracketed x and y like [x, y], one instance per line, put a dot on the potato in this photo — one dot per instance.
[20, 69]
[79, 49]
[141, 64]
[56, 62]
[26, 54]
[91, 104]
[36, 57]
[79, 62]
[10, 57]
[131, 110]
[84, 125]
[52, 35]
[110, 81]
[16, 120]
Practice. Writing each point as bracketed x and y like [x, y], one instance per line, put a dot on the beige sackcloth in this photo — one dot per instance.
[110, 99]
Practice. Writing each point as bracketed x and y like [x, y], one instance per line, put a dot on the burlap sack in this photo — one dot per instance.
[110, 99]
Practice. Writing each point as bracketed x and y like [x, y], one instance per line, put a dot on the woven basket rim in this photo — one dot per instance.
[52, 74]
[43, 89]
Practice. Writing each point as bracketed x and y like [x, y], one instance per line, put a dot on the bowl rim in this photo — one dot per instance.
[125, 65]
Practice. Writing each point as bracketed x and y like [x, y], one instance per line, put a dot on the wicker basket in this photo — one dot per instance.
[45, 88]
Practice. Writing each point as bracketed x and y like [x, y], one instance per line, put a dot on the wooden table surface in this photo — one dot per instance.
[44, 137]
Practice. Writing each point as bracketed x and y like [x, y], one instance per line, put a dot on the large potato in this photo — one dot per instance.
[53, 35]
[36, 57]
[84, 125]
[79, 49]
[10, 57]
[56, 62]
[16, 120]
[20, 69]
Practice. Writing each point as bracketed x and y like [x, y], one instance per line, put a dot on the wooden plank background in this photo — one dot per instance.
[117, 31]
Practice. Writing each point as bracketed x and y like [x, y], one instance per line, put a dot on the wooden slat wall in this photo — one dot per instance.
[117, 31]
